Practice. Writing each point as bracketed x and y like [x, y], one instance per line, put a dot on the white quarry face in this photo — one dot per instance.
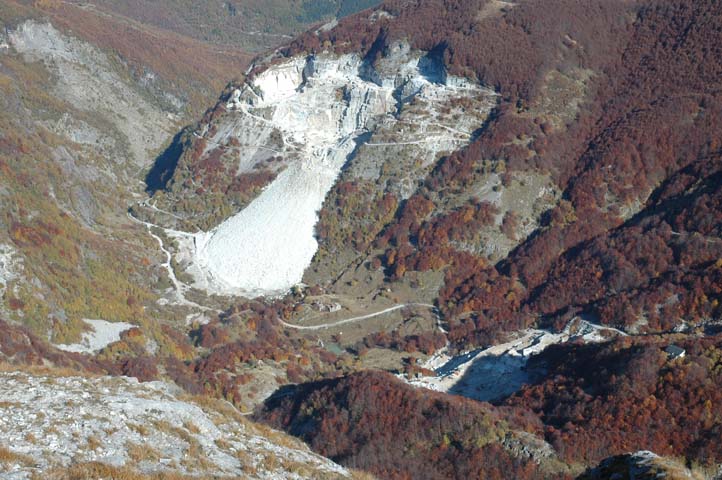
[495, 372]
[7, 264]
[320, 105]
[280, 82]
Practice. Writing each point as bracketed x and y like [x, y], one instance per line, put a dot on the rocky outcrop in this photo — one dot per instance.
[642, 465]
[53, 423]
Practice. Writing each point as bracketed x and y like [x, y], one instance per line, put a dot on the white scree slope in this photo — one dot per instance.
[321, 105]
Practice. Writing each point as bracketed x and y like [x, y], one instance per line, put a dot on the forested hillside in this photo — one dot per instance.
[518, 202]
[637, 158]
[619, 104]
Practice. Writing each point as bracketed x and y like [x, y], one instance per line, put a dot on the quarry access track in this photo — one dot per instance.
[362, 317]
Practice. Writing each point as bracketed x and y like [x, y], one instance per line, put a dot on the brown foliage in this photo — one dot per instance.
[648, 127]
[373, 421]
[602, 400]
[20, 347]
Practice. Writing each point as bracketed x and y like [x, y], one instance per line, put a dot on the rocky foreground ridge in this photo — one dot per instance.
[52, 424]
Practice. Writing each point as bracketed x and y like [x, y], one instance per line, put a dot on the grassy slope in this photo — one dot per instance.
[189, 65]
[71, 268]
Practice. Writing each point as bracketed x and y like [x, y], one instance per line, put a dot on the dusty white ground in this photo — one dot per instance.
[500, 370]
[57, 421]
[321, 106]
[102, 334]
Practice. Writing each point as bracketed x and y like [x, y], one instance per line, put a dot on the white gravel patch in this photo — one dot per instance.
[10, 266]
[103, 333]
[500, 370]
[267, 246]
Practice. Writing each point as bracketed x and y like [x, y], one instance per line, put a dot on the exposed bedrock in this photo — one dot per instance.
[312, 114]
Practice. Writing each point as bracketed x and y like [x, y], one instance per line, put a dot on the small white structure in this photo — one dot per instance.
[673, 352]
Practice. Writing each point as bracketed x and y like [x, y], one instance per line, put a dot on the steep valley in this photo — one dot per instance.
[431, 239]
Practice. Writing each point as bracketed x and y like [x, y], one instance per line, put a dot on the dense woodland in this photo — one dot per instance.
[627, 395]
[375, 422]
[588, 401]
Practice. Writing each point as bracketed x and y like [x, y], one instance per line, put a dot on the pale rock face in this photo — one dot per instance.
[279, 83]
[87, 80]
[498, 371]
[311, 111]
[7, 264]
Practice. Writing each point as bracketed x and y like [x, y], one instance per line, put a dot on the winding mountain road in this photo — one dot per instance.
[360, 317]
[179, 287]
